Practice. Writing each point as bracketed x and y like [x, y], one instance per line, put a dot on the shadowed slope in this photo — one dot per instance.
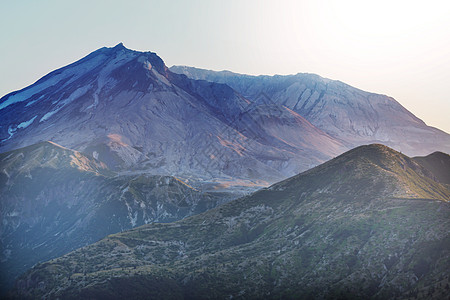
[54, 200]
[437, 163]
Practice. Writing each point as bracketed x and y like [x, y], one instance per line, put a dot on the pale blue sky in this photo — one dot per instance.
[398, 48]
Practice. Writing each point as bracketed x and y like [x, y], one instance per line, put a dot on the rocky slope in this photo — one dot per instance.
[351, 115]
[127, 109]
[54, 200]
[371, 223]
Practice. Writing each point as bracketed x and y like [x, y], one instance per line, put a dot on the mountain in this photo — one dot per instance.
[437, 163]
[127, 109]
[54, 200]
[350, 115]
[371, 223]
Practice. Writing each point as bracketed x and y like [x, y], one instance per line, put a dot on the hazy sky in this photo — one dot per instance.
[397, 48]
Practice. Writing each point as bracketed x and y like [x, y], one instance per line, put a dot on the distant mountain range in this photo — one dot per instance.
[54, 200]
[350, 115]
[371, 223]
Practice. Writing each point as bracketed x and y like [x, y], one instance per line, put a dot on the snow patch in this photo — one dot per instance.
[34, 101]
[73, 73]
[28, 93]
[26, 123]
[49, 114]
[76, 94]
[11, 131]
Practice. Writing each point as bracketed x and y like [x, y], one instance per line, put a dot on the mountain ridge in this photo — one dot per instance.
[349, 114]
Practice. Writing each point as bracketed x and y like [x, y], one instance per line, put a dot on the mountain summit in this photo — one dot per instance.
[371, 223]
[127, 109]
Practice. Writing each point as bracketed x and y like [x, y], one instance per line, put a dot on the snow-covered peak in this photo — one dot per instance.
[95, 69]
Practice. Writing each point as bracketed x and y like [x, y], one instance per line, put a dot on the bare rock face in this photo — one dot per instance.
[128, 110]
[348, 114]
